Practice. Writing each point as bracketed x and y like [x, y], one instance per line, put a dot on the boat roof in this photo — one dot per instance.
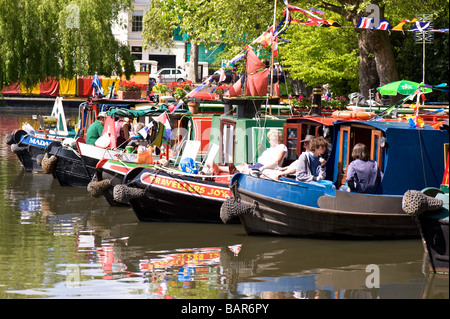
[383, 125]
[412, 158]
[328, 121]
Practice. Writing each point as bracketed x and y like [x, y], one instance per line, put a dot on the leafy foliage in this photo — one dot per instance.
[56, 38]
[319, 55]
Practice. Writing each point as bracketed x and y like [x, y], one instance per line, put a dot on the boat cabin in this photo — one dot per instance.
[241, 140]
[296, 128]
[409, 158]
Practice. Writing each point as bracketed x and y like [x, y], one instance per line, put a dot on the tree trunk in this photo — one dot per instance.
[385, 61]
[299, 87]
[376, 57]
[368, 75]
[193, 65]
[376, 61]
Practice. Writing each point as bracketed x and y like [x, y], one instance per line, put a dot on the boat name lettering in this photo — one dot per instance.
[184, 186]
[36, 141]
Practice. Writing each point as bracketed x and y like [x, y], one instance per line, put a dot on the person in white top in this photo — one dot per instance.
[292, 168]
[271, 158]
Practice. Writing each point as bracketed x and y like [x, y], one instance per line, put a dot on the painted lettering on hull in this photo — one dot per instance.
[191, 188]
[36, 141]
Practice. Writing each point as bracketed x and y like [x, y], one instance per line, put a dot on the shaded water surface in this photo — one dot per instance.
[59, 242]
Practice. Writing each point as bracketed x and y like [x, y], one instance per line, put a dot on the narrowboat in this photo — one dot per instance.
[431, 214]
[173, 195]
[75, 164]
[29, 143]
[408, 157]
[432, 222]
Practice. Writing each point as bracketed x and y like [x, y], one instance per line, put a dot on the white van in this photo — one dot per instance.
[168, 75]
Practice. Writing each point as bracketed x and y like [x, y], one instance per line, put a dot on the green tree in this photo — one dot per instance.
[317, 55]
[377, 58]
[56, 38]
[232, 22]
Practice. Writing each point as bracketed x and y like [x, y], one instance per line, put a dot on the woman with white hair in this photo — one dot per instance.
[271, 158]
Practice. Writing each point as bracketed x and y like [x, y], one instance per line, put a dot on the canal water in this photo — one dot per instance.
[59, 242]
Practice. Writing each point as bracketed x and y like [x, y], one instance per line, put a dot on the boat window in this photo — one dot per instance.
[344, 155]
[292, 141]
[376, 148]
[227, 130]
[294, 133]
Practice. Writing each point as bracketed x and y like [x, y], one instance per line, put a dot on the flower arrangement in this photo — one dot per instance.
[160, 88]
[221, 89]
[339, 103]
[181, 89]
[128, 86]
[302, 102]
[179, 93]
[172, 87]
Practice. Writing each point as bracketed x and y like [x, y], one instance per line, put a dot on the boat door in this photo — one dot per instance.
[227, 142]
[350, 136]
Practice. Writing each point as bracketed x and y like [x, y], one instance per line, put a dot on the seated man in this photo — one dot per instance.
[95, 130]
[311, 165]
[292, 168]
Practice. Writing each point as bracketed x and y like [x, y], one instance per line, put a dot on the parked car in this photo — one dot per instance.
[168, 75]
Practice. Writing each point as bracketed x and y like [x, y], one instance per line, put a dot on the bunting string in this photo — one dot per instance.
[315, 17]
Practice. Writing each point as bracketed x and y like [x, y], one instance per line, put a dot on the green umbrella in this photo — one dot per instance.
[403, 87]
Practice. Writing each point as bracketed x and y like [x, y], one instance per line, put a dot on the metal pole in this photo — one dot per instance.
[271, 59]
[423, 57]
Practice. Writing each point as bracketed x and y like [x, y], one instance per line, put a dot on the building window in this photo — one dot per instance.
[136, 52]
[136, 24]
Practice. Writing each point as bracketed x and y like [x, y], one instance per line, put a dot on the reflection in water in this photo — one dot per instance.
[58, 242]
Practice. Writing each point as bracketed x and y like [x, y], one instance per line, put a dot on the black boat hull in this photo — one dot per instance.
[28, 149]
[175, 198]
[435, 233]
[272, 217]
[71, 169]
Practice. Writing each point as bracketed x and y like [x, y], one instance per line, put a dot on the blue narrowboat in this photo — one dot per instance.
[410, 158]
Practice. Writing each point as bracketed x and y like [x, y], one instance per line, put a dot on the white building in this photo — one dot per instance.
[129, 30]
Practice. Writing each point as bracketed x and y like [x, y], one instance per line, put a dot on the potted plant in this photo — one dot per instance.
[160, 89]
[220, 90]
[179, 93]
[301, 102]
[171, 88]
[129, 90]
[193, 105]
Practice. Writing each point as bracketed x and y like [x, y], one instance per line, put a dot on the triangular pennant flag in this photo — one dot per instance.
[420, 26]
[383, 25]
[365, 23]
[399, 27]
[235, 90]
[174, 107]
[253, 63]
[164, 119]
[144, 131]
